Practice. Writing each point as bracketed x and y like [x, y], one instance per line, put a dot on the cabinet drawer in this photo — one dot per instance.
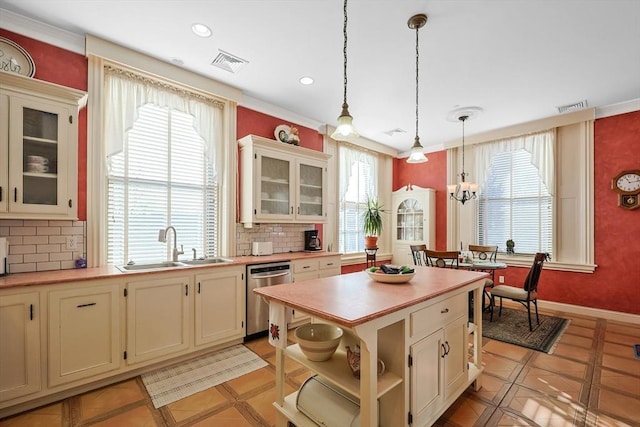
[431, 318]
[331, 262]
[305, 266]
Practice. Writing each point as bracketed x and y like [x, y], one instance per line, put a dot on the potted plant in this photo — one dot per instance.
[372, 222]
[510, 245]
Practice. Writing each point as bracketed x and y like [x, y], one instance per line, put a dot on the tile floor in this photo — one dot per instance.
[592, 379]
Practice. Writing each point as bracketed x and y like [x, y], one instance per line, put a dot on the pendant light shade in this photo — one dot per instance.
[417, 151]
[345, 130]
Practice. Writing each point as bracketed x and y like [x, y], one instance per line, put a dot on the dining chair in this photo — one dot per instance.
[486, 253]
[444, 259]
[527, 294]
[418, 254]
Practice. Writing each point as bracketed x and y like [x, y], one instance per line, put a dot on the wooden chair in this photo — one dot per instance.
[486, 253]
[418, 253]
[527, 294]
[444, 259]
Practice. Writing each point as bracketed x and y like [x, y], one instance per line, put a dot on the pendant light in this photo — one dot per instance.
[462, 191]
[345, 130]
[417, 151]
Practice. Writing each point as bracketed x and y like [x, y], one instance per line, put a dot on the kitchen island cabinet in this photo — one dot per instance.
[407, 326]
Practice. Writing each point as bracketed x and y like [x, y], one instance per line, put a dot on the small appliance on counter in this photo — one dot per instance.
[262, 248]
[312, 241]
[4, 252]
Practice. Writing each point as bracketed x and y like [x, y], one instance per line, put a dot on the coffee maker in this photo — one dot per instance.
[312, 241]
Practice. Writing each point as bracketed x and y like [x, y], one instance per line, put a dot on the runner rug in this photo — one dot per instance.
[513, 328]
[176, 382]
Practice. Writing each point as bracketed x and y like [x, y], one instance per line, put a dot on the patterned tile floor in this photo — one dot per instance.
[592, 379]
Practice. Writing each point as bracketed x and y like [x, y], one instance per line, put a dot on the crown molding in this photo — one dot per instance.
[619, 108]
[279, 112]
[40, 31]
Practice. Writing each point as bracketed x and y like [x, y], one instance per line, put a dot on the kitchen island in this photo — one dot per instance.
[421, 331]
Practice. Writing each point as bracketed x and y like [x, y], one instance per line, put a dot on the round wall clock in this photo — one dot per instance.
[627, 182]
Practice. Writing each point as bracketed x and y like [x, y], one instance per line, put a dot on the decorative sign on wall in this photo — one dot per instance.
[14, 59]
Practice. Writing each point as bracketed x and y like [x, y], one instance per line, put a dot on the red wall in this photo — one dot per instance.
[615, 285]
[60, 66]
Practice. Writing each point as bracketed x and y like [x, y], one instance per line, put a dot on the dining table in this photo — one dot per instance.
[486, 266]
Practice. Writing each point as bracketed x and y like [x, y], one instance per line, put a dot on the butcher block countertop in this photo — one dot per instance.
[353, 299]
[110, 271]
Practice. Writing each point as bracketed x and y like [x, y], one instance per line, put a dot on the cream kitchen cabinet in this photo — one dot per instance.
[313, 268]
[281, 182]
[38, 148]
[220, 297]
[84, 332]
[413, 221]
[158, 315]
[20, 368]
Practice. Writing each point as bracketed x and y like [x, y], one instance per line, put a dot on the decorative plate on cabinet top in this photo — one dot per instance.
[282, 133]
[15, 59]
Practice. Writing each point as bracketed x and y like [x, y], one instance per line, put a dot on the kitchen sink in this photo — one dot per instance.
[171, 264]
[205, 261]
[150, 266]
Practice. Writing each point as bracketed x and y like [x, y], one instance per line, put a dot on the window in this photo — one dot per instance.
[358, 172]
[161, 175]
[515, 202]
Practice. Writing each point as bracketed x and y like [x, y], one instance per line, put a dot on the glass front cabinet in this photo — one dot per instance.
[38, 148]
[413, 221]
[281, 182]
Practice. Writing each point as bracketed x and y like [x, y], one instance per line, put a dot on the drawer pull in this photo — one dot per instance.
[444, 311]
[89, 304]
[329, 263]
[307, 266]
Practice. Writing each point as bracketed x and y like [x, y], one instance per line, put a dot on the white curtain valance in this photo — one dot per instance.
[541, 146]
[135, 91]
[349, 156]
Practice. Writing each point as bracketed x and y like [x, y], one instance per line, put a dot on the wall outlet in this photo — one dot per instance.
[72, 243]
[501, 279]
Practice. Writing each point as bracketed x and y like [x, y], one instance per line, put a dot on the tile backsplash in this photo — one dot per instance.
[41, 245]
[285, 237]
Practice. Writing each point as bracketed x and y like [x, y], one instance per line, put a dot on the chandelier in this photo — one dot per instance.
[417, 151]
[345, 130]
[464, 190]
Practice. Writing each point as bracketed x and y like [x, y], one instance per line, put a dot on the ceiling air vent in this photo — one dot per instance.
[228, 62]
[572, 107]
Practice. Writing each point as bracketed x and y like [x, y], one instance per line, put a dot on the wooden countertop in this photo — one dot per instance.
[353, 299]
[110, 271]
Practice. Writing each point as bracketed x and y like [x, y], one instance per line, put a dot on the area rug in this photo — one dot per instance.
[513, 328]
[176, 382]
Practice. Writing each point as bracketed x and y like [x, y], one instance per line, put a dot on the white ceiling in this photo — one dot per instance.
[517, 60]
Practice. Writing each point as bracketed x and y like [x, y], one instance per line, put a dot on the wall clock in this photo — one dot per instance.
[627, 185]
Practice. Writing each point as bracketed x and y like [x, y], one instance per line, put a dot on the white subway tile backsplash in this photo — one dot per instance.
[285, 237]
[40, 245]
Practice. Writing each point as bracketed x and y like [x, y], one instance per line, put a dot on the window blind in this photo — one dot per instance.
[515, 204]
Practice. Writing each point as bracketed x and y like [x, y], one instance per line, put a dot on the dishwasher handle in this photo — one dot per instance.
[269, 276]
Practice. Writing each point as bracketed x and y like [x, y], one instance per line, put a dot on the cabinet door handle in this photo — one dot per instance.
[0, 194]
[15, 194]
[186, 290]
[291, 210]
[198, 287]
[298, 210]
[30, 311]
[444, 311]
[444, 351]
[447, 348]
[89, 304]
[70, 203]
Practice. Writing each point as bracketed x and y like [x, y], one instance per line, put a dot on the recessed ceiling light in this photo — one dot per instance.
[306, 80]
[201, 30]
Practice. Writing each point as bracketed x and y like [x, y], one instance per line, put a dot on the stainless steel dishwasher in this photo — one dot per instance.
[258, 276]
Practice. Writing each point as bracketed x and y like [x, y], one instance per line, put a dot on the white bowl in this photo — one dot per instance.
[318, 341]
[391, 278]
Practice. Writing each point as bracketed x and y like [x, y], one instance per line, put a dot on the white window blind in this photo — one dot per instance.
[161, 177]
[515, 204]
[358, 175]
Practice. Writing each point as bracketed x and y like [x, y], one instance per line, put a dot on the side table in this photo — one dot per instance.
[371, 256]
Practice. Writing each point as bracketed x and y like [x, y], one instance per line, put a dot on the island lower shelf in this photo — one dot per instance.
[336, 370]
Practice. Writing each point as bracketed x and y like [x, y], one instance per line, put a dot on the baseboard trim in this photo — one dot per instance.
[593, 312]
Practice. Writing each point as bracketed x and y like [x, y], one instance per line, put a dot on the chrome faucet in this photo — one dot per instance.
[162, 237]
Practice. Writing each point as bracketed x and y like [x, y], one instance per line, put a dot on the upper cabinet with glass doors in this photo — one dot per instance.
[413, 221]
[281, 182]
[38, 148]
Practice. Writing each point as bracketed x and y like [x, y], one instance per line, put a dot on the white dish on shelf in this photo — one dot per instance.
[391, 278]
[282, 133]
